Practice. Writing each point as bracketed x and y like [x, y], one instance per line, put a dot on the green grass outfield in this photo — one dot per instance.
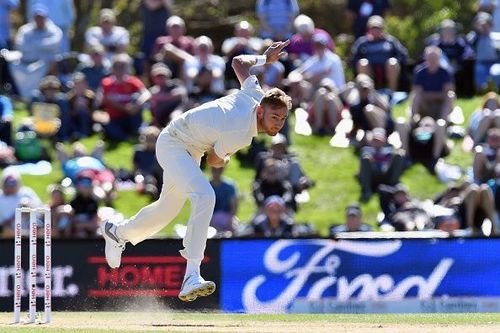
[166, 321]
[333, 169]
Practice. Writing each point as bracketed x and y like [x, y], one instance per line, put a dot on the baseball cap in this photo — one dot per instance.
[375, 21]
[50, 82]
[400, 187]
[160, 69]
[96, 48]
[39, 9]
[274, 200]
[84, 181]
[353, 210]
[303, 24]
[279, 139]
[483, 17]
[447, 24]
[107, 15]
[175, 20]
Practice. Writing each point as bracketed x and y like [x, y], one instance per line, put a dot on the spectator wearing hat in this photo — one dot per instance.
[175, 48]
[487, 157]
[289, 163]
[484, 41]
[96, 68]
[424, 141]
[113, 38]
[50, 104]
[379, 54]
[85, 219]
[60, 211]
[353, 221]
[433, 88]
[12, 196]
[204, 58]
[226, 202]
[276, 18]
[122, 97]
[168, 96]
[39, 42]
[369, 109]
[486, 116]
[359, 11]
[81, 101]
[243, 41]
[380, 163]
[61, 12]
[301, 44]
[273, 221]
[323, 64]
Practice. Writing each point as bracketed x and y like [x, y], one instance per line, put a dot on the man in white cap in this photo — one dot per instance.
[113, 38]
[219, 128]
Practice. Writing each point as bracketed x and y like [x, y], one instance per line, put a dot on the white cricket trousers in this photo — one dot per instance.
[182, 179]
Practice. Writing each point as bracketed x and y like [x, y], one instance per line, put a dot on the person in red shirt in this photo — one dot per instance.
[122, 97]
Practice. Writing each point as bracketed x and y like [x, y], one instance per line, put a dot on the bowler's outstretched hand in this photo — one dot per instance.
[275, 51]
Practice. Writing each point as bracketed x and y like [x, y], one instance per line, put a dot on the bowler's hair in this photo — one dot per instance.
[275, 98]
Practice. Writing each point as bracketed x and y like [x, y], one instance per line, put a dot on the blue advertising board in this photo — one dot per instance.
[268, 275]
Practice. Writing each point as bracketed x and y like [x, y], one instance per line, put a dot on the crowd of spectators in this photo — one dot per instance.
[108, 91]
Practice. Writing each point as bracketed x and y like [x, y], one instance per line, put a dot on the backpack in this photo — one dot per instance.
[28, 146]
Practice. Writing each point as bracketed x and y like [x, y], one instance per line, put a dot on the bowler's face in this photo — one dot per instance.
[273, 119]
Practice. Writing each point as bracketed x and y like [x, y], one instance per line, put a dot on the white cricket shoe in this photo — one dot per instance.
[195, 286]
[114, 245]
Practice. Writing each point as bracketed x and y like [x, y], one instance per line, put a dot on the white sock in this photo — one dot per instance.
[193, 266]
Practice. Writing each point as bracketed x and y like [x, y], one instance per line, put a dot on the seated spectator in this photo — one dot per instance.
[97, 68]
[204, 89]
[486, 157]
[424, 142]
[242, 42]
[272, 182]
[85, 220]
[359, 12]
[402, 212]
[168, 96]
[39, 42]
[433, 88]
[113, 38]
[302, 44]
[276, 18]
[380, 163]
[12, 196]
[471, 204]
[323, 64]
[226, 203]
[484, 43]
[6, 117]
[205, 58]
[300, 91]
[353, 221]
[287, 161]
[122, 97]
[273, 222]
[485, 117]
[50, 110]
[379, 55]
[81, 106]
[455, 49]
[148, 173]
[371, 109]
[28, 145]
[60, 211]
[176, 47]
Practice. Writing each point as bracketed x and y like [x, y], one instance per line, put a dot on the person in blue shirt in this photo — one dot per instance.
[226, 202]
[5, 7]
[433, 88]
